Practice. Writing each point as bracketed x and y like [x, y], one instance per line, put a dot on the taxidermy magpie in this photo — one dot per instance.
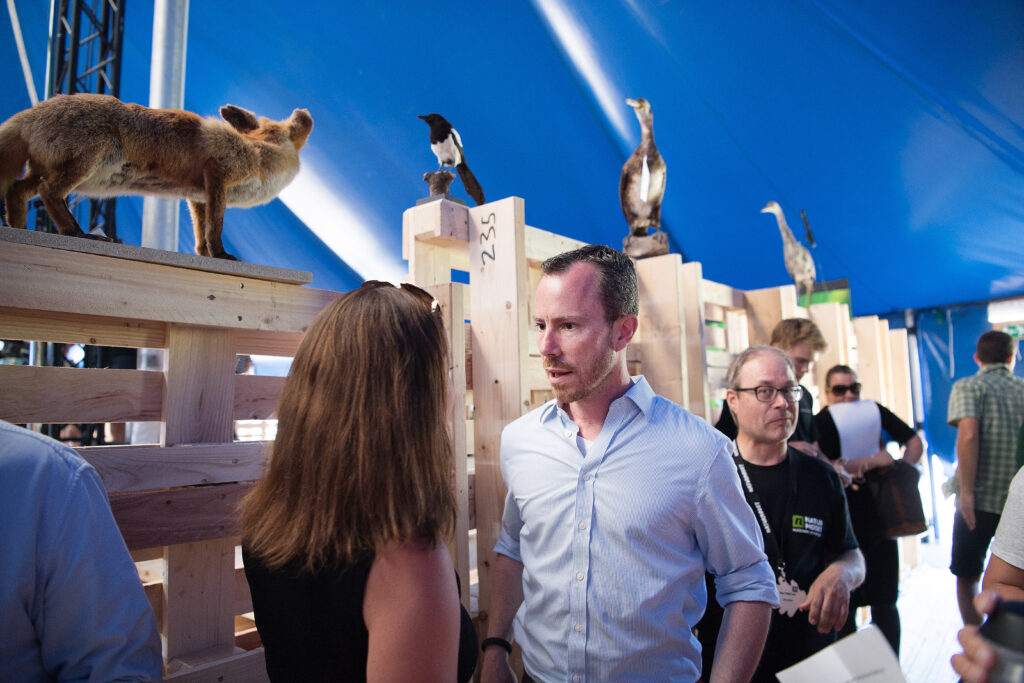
[642, 183]
[446, 145]
[798, 260]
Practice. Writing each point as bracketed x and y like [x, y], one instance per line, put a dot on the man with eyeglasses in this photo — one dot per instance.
[802, 341]
[801, 509]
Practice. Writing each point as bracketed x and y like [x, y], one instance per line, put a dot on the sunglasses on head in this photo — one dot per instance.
[841, 389]
[422, 295]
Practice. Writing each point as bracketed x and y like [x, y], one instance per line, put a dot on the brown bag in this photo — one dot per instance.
[897, 499]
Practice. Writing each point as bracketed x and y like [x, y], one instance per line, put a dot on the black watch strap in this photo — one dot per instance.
[487, 642]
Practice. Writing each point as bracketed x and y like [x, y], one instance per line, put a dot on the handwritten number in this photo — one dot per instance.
[484, 255]
[484, 237]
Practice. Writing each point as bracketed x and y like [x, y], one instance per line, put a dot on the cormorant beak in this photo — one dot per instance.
[633, 103]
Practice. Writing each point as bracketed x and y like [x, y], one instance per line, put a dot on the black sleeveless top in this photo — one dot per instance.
[312, 625]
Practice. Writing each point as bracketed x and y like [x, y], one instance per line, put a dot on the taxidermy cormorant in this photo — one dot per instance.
[642, 183]
[446, 145]
[799, 263]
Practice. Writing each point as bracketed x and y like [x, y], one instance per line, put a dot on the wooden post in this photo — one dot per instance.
[199, 577]
[498, 295]
[870, 358]
[833, 320]
[766, 307]
[902, 398]
[661, 342]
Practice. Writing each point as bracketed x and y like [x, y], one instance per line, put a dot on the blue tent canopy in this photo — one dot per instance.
[900, 131]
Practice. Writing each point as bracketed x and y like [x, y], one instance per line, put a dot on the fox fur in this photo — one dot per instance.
[98, 146]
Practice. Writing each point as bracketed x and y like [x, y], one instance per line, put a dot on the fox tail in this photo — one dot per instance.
[13, 154]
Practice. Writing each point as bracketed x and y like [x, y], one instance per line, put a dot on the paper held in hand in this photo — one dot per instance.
[862, 656]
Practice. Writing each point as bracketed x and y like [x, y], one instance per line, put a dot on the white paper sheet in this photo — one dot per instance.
[862, 657]
[860, 428]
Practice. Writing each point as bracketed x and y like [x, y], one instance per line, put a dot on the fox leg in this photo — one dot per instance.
[17, 198]
[198, 212]
[55, 186]
[216, 195]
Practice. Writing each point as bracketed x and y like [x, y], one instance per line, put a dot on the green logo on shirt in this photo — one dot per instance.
[798, 521]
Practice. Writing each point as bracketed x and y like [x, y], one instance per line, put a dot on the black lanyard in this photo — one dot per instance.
[770, 542]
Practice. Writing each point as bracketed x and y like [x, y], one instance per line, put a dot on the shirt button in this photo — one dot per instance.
[586, 477]
[579, 576]
[568, 434]
[578, 627]
[583, 525]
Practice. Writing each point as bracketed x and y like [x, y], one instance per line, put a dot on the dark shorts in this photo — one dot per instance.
[970, 547]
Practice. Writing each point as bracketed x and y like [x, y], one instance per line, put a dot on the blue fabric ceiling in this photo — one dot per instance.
[898, 128]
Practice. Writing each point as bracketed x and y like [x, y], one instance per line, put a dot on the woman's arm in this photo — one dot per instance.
[411, 609]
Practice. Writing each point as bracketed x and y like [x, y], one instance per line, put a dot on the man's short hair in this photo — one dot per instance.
[617, 285]
[793, 331]
[732, 375]
[995, 347]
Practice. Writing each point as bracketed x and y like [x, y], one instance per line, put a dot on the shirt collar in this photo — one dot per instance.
[640, 393]
[995, 367]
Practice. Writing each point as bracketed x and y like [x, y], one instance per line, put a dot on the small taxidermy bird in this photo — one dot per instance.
[799, 263]
[446, 145]
[642, 183]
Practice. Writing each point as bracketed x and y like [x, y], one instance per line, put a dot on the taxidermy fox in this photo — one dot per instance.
[98, 146]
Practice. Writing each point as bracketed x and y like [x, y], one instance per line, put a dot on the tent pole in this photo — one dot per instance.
[918, 399]
[166, 91]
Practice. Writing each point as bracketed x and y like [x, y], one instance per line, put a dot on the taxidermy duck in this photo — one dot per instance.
[642, 183]
[797, 257]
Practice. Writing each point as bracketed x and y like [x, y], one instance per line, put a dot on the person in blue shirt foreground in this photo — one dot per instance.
[618, 500]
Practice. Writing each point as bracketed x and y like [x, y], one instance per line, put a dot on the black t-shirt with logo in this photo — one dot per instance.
[806, 508]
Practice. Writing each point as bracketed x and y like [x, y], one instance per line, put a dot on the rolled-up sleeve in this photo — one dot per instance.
[729, 538]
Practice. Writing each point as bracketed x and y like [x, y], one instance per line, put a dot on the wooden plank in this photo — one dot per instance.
[140, 468]
[171, 516]
[256, 396]
[198, 403]
[53, 280]
[434, 240]
[833, 323]
[147, 255]
[766, 307]
[241, 601]
[450, 297]
[242, 667]
[722, 295]
[870, 361]
[698, 399]
[75, 328]
[661, 343]
[267, 342]
[499, 291]
[53, 395]
[542, 244]
[902, 395]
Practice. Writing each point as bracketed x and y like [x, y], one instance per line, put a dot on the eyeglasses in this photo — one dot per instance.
[841, 389]
[767, 394]
[421, 294]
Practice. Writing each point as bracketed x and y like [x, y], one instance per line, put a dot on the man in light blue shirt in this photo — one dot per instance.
[618, 500]
[72, 605]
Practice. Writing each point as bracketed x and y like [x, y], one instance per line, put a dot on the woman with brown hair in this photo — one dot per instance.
[342, 538]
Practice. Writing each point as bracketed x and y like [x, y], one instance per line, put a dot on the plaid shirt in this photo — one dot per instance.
[996, 398]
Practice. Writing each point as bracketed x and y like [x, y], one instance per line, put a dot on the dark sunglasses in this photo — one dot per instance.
[841, 389]
[421, 294]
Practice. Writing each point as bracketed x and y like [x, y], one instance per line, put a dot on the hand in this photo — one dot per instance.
[978, 659]
[828, 600]
[965, 505]
[495, 667]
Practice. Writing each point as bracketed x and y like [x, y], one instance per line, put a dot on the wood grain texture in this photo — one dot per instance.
[75, 328]
[661, 338]
[184, 515]
[53, 395]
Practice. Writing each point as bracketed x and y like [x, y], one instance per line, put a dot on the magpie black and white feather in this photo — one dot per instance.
[446, 145]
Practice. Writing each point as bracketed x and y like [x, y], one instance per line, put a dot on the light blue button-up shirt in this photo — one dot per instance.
[615, 542]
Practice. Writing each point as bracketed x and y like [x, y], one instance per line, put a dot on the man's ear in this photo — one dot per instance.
[730, 399]
[623, 330]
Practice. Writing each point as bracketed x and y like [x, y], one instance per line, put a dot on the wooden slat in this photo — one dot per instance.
[722, 295]
[698, 400]
[902, 398]
[766, 307]
[435, 239]
[833, 323]
[173, 516]
[870, 358]
[542, 245]
[256, 396]
[499, 290]
[242, 667]
[74, 328]
[53, 395]
[661, 339]
[198, 403]
[52, 280]
[267, 343]
[241, 597]
[140, 468]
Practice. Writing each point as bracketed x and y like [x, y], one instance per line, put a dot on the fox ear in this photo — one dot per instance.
[301, 123]
[240, 119]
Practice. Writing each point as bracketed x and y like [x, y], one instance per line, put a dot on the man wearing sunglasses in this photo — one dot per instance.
[802, 341]
[801, 509]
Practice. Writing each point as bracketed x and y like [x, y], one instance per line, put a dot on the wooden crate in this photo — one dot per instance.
[174, 502]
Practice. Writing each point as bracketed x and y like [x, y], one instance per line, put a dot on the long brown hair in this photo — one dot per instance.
[362, 456]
